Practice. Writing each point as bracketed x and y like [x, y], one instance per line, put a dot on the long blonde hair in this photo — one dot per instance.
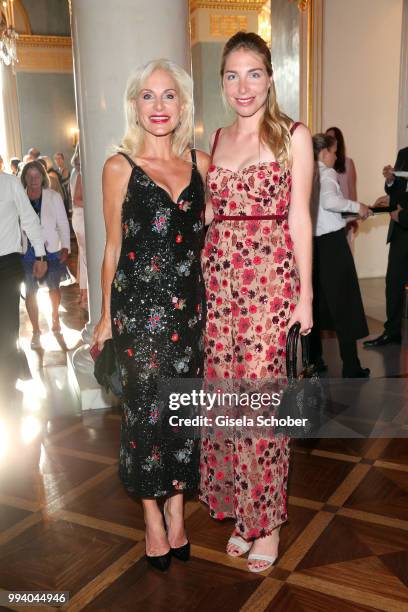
[134, 133]
[274, 131]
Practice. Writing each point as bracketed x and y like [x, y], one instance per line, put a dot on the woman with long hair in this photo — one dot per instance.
[257, 266]
[337, 299]
[347, 178]
[153, 292]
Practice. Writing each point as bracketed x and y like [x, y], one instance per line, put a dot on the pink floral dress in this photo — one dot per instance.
[252, 288]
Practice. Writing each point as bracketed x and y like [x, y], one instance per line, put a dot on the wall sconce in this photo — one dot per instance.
[74, 133]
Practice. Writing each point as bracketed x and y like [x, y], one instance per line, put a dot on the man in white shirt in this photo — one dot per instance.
[16, 214]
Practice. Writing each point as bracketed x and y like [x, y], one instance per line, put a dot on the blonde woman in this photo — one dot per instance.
[153, 291]
[257, 267]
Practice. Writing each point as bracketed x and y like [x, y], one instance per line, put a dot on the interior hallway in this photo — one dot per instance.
[66, 523]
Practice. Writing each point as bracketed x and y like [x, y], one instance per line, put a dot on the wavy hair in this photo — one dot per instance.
[274, 130]
[134, 133]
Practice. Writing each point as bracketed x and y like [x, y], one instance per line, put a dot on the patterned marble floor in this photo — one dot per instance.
[66, 523]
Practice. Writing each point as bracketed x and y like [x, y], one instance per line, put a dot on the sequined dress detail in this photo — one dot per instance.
[158, 312]
[252, 288]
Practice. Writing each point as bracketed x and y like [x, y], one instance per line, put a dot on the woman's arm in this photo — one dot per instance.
[300, 223]
[115, 178]
[62, 226]
[331, 198]
[203, 163]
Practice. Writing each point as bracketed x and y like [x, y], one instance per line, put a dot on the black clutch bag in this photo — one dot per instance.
[303, 399]
[106, 369]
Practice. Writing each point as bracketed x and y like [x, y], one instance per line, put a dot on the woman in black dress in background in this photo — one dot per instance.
[153, 293]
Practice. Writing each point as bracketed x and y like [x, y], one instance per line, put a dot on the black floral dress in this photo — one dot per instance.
[158, 316]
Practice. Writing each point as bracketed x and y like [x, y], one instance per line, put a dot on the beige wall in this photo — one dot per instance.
[361, 55]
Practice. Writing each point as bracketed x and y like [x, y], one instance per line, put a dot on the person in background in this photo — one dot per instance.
[16, 214]
[337, 300]
[347, 179]
[54, 177]
[64, 177]
[14, 165]
[397, 269]
[1, 164]
[78, 225]
[50, 209]
[34, 153]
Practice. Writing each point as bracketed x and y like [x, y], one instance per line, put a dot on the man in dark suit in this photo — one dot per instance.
[397, 269]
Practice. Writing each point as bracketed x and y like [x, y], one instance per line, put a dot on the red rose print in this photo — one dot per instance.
[287, 291]
[235, 309]
[243, 325]
[256, 492]
[213, 283]
[253, 309]
[257, 260]
[240, 371]
[261, 446]
[248, 276]
[219, 475]
[212, 330]
[264, 521]
[279, 255]
[237, 261]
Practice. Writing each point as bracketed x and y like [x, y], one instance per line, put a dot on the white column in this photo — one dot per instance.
[10, 119]
[110, 40]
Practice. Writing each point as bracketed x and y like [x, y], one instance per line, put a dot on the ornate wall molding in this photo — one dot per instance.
[227, 5]
[44, 54]
[32, 40]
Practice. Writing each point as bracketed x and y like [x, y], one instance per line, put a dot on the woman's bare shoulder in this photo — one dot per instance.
[117, 164]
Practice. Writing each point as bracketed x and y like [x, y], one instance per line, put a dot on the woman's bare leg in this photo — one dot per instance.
[157, 543]
[174, 514]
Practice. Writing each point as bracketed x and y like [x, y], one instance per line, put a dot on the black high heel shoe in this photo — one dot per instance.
[161, 562]
[182, 553]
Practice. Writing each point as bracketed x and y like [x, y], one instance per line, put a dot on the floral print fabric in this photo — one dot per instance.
[252, 287]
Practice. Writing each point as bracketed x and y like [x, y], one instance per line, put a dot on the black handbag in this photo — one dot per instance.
[106, 369]
[303, 398]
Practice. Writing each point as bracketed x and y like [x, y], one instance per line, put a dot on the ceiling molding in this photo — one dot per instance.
[32, 40]
[227, 5]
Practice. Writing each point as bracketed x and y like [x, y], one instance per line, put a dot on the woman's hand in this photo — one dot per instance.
[303, 315]
[102, 332]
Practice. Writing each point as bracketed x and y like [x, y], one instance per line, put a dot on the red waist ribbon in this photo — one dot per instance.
[248, 217]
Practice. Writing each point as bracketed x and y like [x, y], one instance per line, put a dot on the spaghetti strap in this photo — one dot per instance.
[217, 135]
[130, 160]
[194, 157]
[294, 126]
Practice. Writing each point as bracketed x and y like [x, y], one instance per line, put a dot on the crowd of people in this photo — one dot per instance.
[181, 302]
[55, 195]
